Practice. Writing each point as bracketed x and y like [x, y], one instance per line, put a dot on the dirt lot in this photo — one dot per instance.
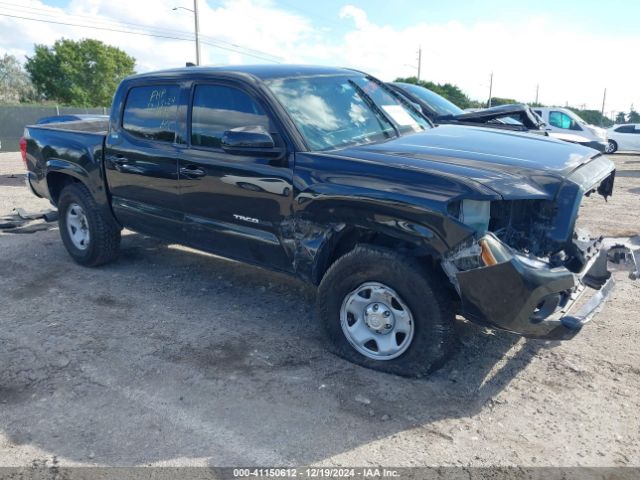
[172, 357]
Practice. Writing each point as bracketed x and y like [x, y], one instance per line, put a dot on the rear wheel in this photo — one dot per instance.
[383, 312]
[612, 147]
[90, 237]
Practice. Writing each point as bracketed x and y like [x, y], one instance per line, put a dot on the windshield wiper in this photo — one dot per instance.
[372, 105]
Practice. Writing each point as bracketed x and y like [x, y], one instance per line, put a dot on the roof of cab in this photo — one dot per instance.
[262, 72]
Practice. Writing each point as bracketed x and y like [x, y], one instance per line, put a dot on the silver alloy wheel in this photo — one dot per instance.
[610, 147]
[376, 321]
[78, 227]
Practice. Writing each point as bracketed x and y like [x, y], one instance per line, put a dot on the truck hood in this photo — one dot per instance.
[514, 165]
[519, 110]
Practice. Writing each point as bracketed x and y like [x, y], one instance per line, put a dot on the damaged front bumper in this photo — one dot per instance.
[530, 297]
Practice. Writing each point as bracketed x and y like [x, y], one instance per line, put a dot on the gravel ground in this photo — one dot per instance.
[173, 357]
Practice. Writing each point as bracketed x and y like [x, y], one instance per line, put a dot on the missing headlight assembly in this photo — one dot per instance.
[526, 265]
[524, 225]
[501, 287]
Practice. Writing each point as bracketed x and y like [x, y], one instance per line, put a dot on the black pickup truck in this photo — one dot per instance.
[329, 175]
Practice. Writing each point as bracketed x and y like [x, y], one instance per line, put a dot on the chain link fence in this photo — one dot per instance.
[13, 119]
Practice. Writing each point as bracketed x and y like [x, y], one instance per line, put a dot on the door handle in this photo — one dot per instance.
[119, 159]
[192, 172]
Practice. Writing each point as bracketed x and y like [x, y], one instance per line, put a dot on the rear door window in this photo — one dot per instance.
[150, 112]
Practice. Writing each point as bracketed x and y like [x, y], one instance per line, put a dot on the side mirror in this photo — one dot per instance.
[249, 140]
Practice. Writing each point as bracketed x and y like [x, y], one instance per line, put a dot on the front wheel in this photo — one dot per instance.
[383, 312]
[612, 147]
[90, 237]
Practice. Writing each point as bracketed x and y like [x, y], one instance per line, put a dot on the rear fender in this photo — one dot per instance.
[92, 180]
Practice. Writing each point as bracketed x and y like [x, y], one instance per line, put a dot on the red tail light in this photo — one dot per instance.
[23, 151]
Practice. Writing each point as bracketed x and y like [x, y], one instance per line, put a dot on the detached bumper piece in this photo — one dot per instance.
[527, 296]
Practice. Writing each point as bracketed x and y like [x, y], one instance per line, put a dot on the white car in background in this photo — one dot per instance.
[566, 125]
[624, 137]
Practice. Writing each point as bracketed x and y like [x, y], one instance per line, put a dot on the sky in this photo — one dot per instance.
[570, 50]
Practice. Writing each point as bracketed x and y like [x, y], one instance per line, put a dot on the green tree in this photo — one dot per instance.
[495, 101]
[80, 73]
[621, 117]
[15, 85]
[593, 117]
[633, 117]
[447, 90]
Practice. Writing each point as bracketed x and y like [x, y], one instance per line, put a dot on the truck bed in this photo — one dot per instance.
[75, 147]
[87, 126]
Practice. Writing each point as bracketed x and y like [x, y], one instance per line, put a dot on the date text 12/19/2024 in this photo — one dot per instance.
[310, 472]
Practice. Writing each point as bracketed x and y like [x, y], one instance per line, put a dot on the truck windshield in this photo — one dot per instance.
[335, 111]
[438, 104]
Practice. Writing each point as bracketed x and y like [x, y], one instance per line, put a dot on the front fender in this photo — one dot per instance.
[335, 195]
[322, 225]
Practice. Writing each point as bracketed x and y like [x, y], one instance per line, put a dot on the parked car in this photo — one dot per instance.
[564, 124]
[400, 225]
[624, 137]
[516, 117]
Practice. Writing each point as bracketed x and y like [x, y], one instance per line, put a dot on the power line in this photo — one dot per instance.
[150, 33]
[63, 15]
[146, 28]
[163, 30]
[91, 26]
[118, 23]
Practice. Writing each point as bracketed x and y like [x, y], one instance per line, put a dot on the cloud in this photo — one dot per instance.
[257, 29]
[358, 15]
[569, 64]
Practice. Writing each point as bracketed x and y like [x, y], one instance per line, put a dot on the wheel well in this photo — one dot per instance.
[350, 238]
[56, 181]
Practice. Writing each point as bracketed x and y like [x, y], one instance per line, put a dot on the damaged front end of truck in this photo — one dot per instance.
[527, 268]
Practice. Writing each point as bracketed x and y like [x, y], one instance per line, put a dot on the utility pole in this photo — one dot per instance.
[419, 60]
[604, 97]
[537, 91]
[490, 88]
[197, 26]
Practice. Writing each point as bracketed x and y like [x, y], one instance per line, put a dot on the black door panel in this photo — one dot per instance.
[234, 205]
[236, 208]
[141, 162]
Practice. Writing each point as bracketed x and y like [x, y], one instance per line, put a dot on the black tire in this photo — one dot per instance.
[104, 240]
[612, 147]
[420, 289]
